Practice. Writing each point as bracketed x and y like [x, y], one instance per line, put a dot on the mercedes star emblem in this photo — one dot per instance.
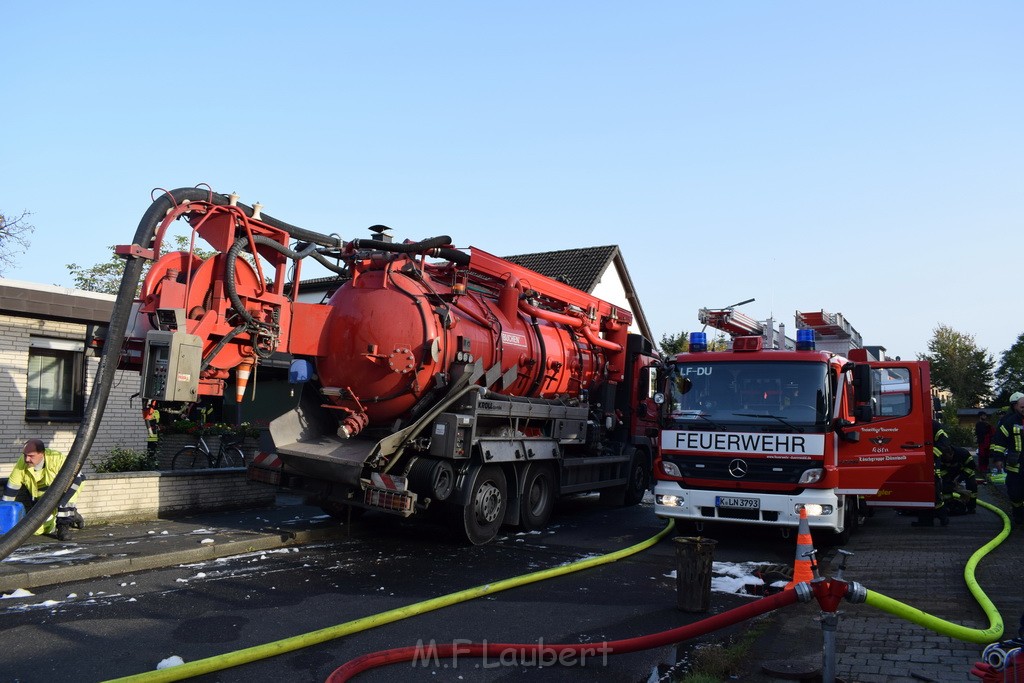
[738, 468]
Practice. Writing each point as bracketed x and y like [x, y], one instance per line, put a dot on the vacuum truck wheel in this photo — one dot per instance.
[484, 512]
[538, 499]
[632, 492]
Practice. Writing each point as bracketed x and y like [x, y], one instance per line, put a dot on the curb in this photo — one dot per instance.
[38, 578]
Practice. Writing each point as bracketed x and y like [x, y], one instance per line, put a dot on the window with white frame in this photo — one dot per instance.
[56, 380]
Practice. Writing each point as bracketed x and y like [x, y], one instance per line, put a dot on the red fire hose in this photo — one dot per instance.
[557, 653]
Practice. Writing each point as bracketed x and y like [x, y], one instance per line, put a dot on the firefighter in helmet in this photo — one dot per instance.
[1007, 445]
[32, 476]
[957, 471]
[940, 444]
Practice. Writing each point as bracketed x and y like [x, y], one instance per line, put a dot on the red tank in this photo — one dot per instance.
[399, 330]
[399, 327]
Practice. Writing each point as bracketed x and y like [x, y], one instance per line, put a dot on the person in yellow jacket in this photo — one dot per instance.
[32, 476]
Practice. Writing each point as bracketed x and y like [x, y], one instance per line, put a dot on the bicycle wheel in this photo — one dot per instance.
[232, 456]
[189, 458]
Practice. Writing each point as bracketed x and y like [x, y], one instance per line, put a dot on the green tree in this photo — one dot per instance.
[671, 344]
[14, 232]
[674, 343]
[959, 366]
[105, 277]
[1010, 373]
[719, 343]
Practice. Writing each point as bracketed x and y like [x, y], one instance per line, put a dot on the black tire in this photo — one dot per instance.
[232, 457]
[639, 480]
[484, 512]
[538, 498]
[189, 458]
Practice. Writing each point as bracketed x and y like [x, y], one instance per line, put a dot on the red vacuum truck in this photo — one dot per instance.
[757, 432]
[437, 378]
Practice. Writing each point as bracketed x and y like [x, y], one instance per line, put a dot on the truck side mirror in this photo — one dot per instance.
[864, 413]
[841, 426]
[863, 392]
[863, 382]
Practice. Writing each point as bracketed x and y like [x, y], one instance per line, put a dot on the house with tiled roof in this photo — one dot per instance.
[600, 271]
[48, 363]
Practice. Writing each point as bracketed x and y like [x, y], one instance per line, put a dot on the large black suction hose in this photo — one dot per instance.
[35, 517]
[434, 246]
[144, 234]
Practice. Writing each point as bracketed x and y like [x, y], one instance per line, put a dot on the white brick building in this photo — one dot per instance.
[47, 367]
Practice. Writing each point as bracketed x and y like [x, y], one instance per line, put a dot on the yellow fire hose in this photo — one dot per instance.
[257, 652]
[970, 635]
[230, 659]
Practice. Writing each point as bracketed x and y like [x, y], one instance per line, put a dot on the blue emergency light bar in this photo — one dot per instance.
[805, 340]
[698, 341]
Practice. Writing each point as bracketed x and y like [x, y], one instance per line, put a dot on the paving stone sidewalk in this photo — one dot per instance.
[923, 568]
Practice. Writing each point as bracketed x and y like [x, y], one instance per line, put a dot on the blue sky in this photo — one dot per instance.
[862, 158]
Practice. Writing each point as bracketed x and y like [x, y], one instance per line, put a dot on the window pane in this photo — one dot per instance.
[892, 392]
[51, 381]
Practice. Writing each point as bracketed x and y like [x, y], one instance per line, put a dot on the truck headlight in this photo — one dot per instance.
[670, 469]
[812, 476]
[815, 510]
[673, 501]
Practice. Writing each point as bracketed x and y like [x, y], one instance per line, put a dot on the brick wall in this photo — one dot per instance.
[121, 425]
[149, 495]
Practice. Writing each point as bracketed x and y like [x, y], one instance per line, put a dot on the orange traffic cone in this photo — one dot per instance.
[804, 544]
[242, 378]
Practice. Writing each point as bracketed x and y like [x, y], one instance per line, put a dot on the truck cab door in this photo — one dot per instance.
[892, 463]
[644, 409]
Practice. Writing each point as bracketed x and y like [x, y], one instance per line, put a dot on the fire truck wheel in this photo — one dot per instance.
[538, 499]
[484, 512]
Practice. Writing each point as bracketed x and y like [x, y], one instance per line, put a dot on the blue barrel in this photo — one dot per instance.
[10, 514]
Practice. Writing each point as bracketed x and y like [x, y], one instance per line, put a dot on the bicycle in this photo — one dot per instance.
[200, 456]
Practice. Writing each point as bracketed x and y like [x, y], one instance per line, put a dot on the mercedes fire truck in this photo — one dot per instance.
[757, 432]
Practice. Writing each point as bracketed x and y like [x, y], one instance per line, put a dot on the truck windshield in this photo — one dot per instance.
[760, 396]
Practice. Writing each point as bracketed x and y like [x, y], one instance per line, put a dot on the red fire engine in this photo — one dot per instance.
[755, 433]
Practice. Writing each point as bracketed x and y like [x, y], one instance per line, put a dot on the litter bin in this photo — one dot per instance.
[694, 558]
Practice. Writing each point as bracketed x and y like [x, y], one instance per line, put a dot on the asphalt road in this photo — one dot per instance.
[123, 625]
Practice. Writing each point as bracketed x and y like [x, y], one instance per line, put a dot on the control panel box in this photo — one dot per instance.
[171, 363]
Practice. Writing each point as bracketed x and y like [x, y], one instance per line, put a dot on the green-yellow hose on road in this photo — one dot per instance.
[970, 635]
[251, 654]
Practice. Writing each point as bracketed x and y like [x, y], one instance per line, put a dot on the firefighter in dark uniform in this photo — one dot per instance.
[957, 472]
[1007, 445]
[940, 444]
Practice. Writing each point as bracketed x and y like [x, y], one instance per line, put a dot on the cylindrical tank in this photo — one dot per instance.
[393, 328]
